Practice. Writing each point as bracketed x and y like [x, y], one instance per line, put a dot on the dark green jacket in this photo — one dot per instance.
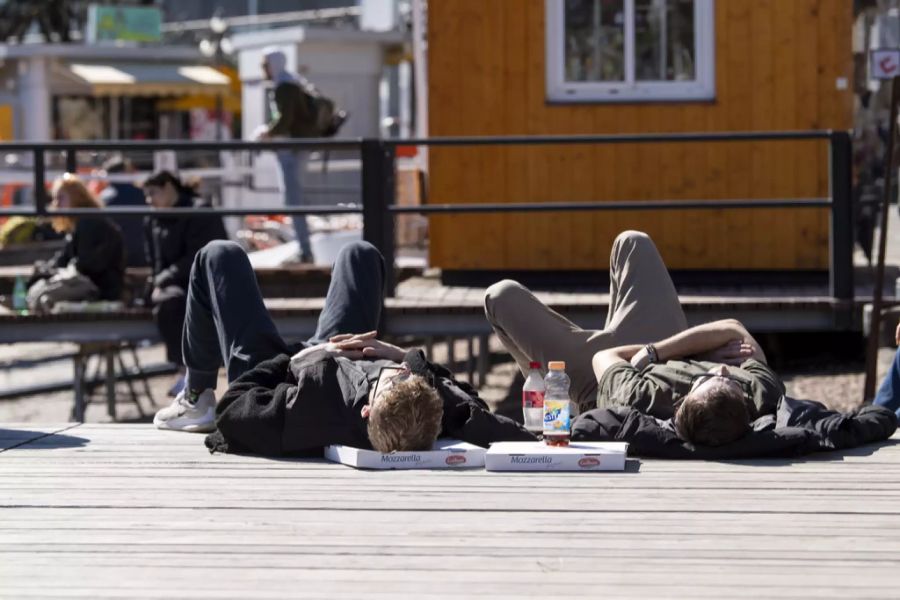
[291, 112]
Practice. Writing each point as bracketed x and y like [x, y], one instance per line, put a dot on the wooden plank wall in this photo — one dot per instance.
[777, 62]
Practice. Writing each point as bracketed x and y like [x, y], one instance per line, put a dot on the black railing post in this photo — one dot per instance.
[40, 191]
[840, 154]
[377, 198]
[71, 161]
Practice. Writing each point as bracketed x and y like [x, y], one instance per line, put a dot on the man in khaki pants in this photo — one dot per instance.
[645, 357]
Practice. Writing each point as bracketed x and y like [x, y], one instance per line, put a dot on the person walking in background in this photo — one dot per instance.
[171, 244]
[292, 118]
[125, 193]
[91, 265]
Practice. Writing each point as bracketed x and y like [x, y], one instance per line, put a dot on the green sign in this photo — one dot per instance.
[124, 24]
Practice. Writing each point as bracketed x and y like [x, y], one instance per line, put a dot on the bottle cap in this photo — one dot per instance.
[534, 365]
[557, 365]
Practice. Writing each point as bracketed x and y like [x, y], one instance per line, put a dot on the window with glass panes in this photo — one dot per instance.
[630, 50]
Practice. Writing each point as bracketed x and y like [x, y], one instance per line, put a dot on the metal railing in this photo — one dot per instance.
[378, 159]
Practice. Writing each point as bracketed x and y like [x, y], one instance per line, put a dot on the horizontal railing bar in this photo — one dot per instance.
[632, 205]
[613, 138]
[184, 212]
[186, 145]
[434, 208]
[355, 143]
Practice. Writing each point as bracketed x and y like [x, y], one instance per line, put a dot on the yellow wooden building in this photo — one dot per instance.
[536, 67]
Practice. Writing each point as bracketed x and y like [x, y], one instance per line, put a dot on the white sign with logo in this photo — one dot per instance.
[537, 456]
[445, 454]
[884, 63]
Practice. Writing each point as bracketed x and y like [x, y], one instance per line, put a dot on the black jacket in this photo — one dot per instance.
[292, 111]
[281, 408]
[171, 243]
[97, 251]
[798, 427]
[126, 194]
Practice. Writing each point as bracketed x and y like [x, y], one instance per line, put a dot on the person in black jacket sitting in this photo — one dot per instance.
[343, 386]
[171, 244]
[91, 265]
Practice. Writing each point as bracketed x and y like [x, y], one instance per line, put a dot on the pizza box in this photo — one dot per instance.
[445, 454]
[537, 456]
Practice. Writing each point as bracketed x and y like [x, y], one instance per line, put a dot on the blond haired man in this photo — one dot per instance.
[340, 388]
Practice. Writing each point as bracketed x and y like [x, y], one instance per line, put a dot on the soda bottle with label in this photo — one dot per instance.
[20, 294]
[533, 399]
[557, 406]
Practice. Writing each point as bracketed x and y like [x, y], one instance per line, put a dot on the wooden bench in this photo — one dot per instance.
[427, 313]
[274, 282]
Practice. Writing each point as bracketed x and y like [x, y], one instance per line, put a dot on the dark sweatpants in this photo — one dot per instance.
[228, 324]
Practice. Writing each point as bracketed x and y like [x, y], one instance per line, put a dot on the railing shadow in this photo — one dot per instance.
[11, 439]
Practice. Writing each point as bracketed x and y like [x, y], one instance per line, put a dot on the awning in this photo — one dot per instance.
[140, 79]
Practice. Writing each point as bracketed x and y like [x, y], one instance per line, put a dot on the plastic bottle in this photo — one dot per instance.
[533, 399]
[557, 405]
[20, 293]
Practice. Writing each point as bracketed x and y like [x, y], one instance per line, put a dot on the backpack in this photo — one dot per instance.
[328, 118]
[24, 230]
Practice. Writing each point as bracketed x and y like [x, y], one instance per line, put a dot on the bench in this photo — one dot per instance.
[274, 282]
[427, 313]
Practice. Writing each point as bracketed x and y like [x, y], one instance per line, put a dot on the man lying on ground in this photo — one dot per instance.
[340, 388]
[888, 394]
[645, 357]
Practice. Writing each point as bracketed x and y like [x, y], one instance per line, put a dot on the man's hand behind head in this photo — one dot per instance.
[372, 348]
[732, 353]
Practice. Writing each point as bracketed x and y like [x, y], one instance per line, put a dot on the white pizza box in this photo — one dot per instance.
[445, 454]
[538, 456]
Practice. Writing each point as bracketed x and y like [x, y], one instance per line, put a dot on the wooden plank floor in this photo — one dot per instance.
[103, 511]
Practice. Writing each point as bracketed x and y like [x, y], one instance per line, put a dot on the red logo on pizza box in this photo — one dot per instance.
[455, 459]
[589, 461]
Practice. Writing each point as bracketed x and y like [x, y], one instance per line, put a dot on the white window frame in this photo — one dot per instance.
[701, 88]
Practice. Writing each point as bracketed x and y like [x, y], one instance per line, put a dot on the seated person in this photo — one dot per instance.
[339, 389]
[91, 264]
[645, 357]
[888, 394]
[171, 244]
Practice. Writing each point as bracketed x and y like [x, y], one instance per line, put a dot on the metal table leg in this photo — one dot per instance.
[470, 360]
[78, 365]
[110, 355]
[484, 359]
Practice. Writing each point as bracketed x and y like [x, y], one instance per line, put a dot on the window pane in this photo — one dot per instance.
[595, 40]
[664, 40]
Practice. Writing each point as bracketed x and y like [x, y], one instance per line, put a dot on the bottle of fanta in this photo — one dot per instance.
[557, 406]
[533, 399]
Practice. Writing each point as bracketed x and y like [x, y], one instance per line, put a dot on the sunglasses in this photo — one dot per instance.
[389, 382]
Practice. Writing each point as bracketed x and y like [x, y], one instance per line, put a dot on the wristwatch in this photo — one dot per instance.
[644, 357]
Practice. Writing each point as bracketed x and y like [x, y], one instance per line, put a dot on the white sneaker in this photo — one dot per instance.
[183, 415]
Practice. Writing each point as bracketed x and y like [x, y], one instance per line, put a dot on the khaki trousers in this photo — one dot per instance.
[643, 308]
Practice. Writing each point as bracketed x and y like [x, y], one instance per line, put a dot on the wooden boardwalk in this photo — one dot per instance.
[104, 511]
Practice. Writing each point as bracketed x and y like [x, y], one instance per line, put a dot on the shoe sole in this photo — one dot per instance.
[205, 425]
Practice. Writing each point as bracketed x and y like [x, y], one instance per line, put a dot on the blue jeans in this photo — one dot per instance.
[888, 394]
[292, 165]
[226, 322]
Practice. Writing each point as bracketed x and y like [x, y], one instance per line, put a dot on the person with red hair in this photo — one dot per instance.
[91, 265]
